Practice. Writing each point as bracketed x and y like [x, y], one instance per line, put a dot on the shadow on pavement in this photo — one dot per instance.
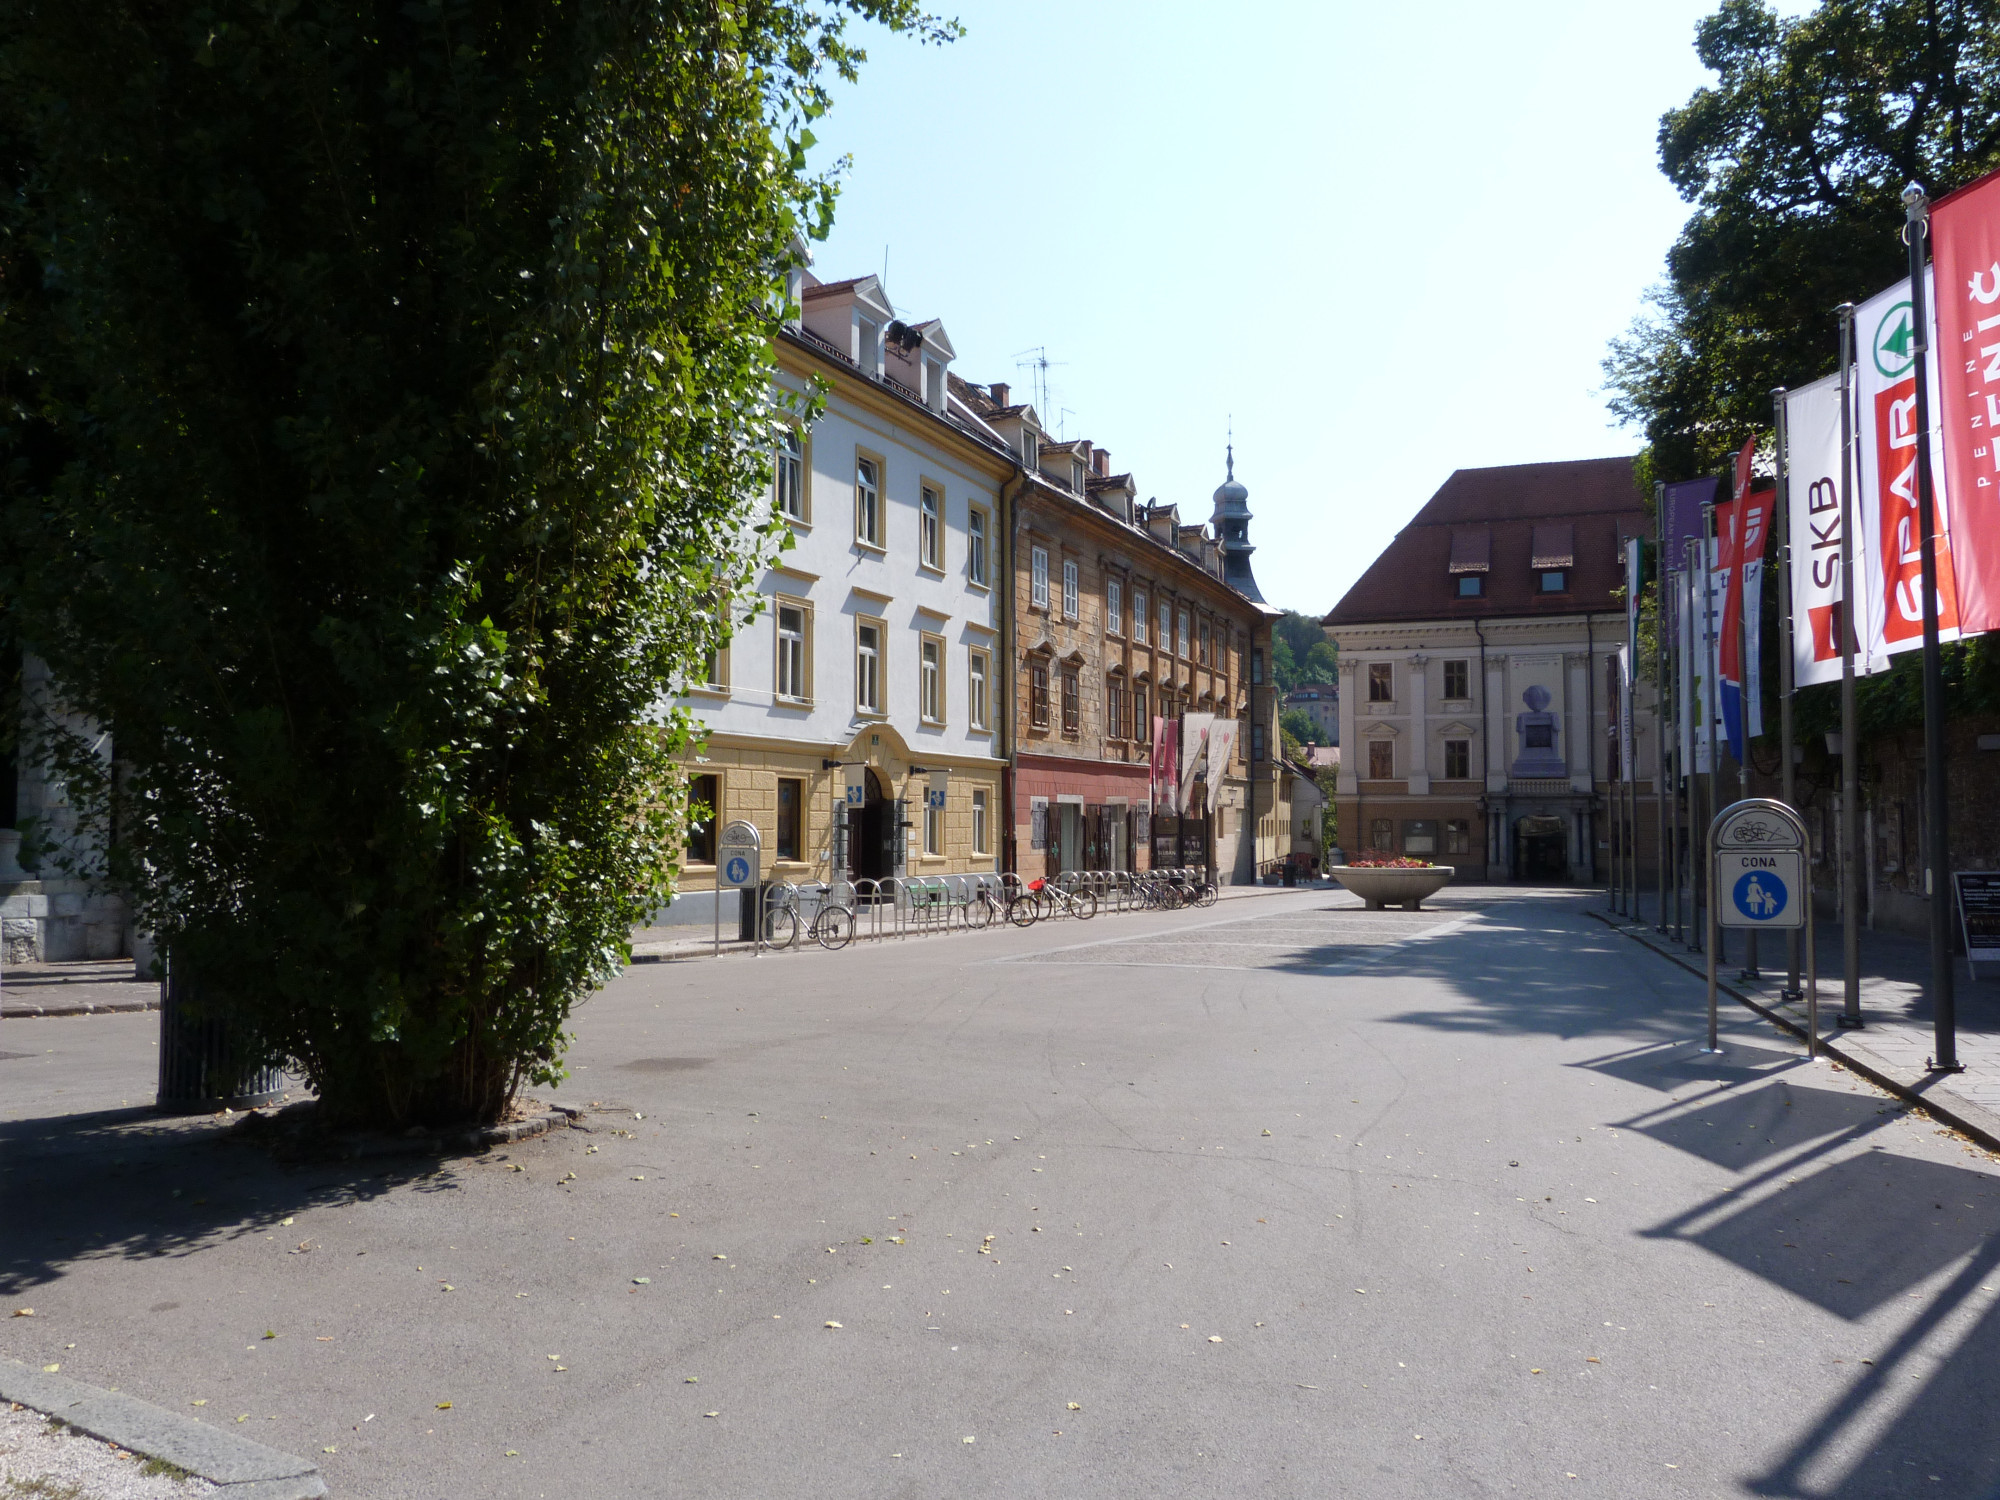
[130, 1184]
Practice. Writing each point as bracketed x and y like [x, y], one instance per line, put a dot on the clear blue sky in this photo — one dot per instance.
[1391, 240]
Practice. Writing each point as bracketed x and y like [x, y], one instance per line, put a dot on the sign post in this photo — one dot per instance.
[1758, 856]
[739, 861]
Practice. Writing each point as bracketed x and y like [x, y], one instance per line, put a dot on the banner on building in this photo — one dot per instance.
[1812, 463]
[1965, 254]
[1886, 339]
[1194, 754]
[1221, 749]
[1163, 781]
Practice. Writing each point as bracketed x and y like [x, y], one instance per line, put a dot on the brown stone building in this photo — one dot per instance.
[1119, 613]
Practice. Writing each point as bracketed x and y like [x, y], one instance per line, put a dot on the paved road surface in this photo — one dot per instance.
[1277, 1199]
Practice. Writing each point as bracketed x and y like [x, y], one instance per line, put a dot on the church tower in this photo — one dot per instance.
[1232, 531]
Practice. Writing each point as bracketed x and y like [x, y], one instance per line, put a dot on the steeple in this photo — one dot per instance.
[1232, 530]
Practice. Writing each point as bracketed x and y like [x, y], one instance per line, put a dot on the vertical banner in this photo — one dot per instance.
[1886, 336]
[1163, 785]
[1965, 255]
[1684, 612]
[1221, 746]
[1728, 626]
[1630, 656]
[1812, 428]
[1684, 502]
[1749, 528]
[1194, 756]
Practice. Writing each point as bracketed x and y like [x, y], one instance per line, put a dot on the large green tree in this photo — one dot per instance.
[1795, 159]
[385, 386]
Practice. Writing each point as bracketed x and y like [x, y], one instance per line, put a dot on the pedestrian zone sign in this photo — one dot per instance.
[1761, 888]
[738, 854]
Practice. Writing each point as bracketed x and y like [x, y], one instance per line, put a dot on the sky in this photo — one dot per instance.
[1385, 241]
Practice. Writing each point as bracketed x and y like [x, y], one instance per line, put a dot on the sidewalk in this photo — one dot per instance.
[80, 988]
[1895, 1039]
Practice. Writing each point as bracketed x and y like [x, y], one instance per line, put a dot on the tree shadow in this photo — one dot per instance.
[134, 1184]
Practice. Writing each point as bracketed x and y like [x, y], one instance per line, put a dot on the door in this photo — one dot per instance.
[871, 828]
[1544, 854]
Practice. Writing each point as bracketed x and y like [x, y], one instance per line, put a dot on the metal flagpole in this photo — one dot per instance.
[1712, 700]
[1850, 759]
[1748, 644]
[1937, 863]
[1662, 714]
[1787, 772]
[1692, 708]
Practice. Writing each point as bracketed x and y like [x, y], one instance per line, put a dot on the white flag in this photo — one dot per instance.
[1812, 465]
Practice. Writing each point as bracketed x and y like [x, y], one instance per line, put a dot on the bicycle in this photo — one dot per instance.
[1053, 899]
[832, 925]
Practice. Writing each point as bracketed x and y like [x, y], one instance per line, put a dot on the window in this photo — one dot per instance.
[1077, 476]
[1382, 835]
[1457, 836]
[1554, 581]
[1470, 585]
[1257, 667]
[1201, 643]
[868, 502]
[790, 480]
[1256, 741]
[1114, 610]
[1138, 617]
[1031, 450]
[1381, 760]
[1072, 691]
[933, 829]
[1181, 640]
[1166, 642]
[793, 620]
[979, 835]
[1381, 682]
[715, 668]
[704, 810]
[1142, 727]
[1038, 694]
[791, 801]
[975, 686]
[1114, 708]
[1038, 577]
[930, 671]
[975, 547]
[930, 527]
[1069, 589]
[1458, 679]
[1457, 759]
[868, 666]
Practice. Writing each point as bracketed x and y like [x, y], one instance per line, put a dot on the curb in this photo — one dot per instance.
[241, 1469]
[1921, 1089]
[15, 1011]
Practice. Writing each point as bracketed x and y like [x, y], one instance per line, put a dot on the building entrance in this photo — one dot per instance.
[1543, 853]
[875, 834]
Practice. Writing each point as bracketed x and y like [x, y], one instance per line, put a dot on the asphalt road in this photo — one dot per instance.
[1281, 1198]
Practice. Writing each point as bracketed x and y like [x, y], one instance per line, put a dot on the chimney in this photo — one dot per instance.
[1100, 462]
[999, 390]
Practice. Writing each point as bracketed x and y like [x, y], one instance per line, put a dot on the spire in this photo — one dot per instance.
[1232, 526]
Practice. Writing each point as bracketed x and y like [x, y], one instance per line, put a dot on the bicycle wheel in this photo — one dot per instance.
[1170, 897]
[979, 911]
[781, 927]
[1022, 911]
[1046, 905]
[835, 927]
[1209, 894]
[1084, 903]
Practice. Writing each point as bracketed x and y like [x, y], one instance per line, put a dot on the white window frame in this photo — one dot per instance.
[1181, 633]
[930, 678]
[1038, 577]
[1114, 607]
[800, 658]
[1140, 624]
[978, 676]
[1166, 641]
[930, 526]
[933, 831]
[868, 500]
[981, 823]
[788, 476]
[1072, 590]
[869, 664]
[976, 528]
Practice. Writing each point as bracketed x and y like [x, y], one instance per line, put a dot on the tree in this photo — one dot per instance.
[1795, 160]
[1300, 652]
[409, 368]
[1299, 727]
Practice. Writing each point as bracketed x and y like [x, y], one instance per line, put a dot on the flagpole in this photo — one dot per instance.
[1743, 677]
[1937, 877]
[1850, 757]
[1712, 704]
[1662, 715]
[1694, 715]
[1787, 773]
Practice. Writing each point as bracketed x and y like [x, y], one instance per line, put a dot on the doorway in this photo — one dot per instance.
[872, 834]
[1543, 851]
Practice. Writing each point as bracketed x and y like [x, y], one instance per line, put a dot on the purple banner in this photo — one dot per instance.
[1683, 504]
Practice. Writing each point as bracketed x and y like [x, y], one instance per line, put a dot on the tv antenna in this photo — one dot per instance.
[1037, 359]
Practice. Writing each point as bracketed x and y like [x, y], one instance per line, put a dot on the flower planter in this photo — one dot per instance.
[1391, 887]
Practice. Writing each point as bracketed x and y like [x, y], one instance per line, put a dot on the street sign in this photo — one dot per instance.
[738, 854]
[1978, 914]
[1758, 857]
[939, 786]
[856, 785]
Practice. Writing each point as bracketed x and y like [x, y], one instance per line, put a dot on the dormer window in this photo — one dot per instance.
[1554, 580]
[1471, 585]
[1077, 473]
[869, 343]
[1031, 450]
[1552, 554]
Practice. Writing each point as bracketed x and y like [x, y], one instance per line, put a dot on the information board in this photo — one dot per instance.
[1979, 914]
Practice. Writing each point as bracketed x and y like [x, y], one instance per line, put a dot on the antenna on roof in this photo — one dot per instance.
[1038, 360]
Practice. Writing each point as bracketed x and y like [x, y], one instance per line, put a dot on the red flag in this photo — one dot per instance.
[1965, 253]
[1742, 527]
[1743, 461]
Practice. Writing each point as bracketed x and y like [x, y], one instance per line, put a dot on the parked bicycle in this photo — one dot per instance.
[1045, 899]
[832, 925]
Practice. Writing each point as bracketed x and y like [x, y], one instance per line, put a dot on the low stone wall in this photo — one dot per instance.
[53, 921]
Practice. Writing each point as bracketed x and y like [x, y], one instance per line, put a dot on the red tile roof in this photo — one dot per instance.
[1521, 507]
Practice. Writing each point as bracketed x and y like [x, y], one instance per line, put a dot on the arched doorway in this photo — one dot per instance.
[1543, 850]
[873, 833]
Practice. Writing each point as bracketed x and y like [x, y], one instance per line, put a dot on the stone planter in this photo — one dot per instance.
[1392, 887]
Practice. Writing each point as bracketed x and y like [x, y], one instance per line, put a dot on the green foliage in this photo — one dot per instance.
[1299, 727]
[1300, 652]
[1795, 159]
[381, 392]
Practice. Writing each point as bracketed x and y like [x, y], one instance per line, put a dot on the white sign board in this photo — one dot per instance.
[856, 785]
[940, 784]
[1760, 888]
[739, 854]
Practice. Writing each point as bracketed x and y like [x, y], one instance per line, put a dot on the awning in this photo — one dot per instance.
[1554, 546]
[1472, 551]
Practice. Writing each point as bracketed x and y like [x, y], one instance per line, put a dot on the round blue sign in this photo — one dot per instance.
[1759, 895]
[737, 870]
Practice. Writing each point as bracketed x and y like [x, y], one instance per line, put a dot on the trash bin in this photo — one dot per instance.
[750, 900]
[202, 1068]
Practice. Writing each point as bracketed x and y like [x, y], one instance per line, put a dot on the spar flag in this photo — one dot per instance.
[1886, 335]
[1742, 528]
[1965, 254]
[1813, 460]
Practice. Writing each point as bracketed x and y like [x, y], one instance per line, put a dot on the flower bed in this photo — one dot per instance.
[1401, 882]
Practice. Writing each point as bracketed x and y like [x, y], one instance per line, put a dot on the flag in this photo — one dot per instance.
[1682, 521]
[1194, 754]
[1163, 784]
[1965, 254]
[1221, 746]
[1742, 528]
[1886, 336]
[1812, 460]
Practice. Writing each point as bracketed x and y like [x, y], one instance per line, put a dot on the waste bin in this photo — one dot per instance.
[202, 1067]
[750, 900]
